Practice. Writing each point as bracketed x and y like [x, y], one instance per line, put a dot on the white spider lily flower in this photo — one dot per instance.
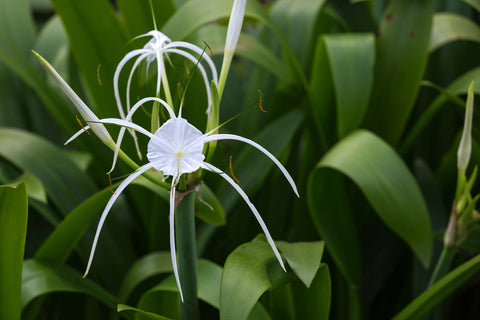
[176, 148]
[82, 108]
[465, 147]
[233, 33]
[156, 49]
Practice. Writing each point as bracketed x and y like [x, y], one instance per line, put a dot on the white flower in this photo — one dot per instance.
[176, 148]
[156, 49]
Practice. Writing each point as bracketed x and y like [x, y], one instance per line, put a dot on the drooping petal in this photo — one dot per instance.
[259, 147]
[79, 132]
[252, 207]
[116, 76]
[109, 205]
[173, 251]
[128, 124]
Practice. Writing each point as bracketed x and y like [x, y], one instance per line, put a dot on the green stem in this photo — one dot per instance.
[443, 264]
[185, 230]
[227, 61]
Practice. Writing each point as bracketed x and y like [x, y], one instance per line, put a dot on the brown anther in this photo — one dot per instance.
[231, 170]
[209, 48]
[110, 181]
[81, 125]
[260, 104]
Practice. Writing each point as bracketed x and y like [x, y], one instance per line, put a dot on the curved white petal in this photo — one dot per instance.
[109, 205]
[201, 69]
[199, 51]
[116, 76]
[128, 124]
[130, 76]
[79, 132]
[252, 207]
[173, 251]
[259, 147]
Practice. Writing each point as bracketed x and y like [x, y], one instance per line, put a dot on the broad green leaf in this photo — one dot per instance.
[296, 20]
[34, 186]
[440, 290]
[448, 27]
[332, 216]
[148, 266]
[13, 58]
[66, 236]
[40, 278]
[13, 231]
[402, 50]
[138, 15]
[473, 3]
[387, 184]
[96, 38]
[145, 314]
[314, 302]
[351, 58]
[249, 271]
[16, 20]
[65, 184]
[247, 47]
[303, 257]
[194, 14]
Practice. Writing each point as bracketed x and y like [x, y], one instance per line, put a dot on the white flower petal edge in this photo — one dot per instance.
[242, 193]
[109, 205]
[260, 148]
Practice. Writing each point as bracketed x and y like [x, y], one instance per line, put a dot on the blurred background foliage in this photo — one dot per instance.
[365, 104]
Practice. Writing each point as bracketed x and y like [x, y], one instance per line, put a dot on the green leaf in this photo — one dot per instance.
[473, 3]
[448, 27]
[148, 266]
[146, 314]
[40, 278]
[247, 47]
[333, 218]
[387, 184]
[65, 184]
[13, 231]
[16, 21]
[402, 51]
[138, 15]
[296, 21]
[440, 290]
[96, 38]
[351, 58]
[63, 240]
[303, 257]
[249, 271]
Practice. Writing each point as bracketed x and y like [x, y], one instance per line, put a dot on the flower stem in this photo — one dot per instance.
[187, 254]
[443, 264]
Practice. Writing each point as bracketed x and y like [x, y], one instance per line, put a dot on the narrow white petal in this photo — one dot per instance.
[109, 205]
[173, 251]
[200, 68]
[130, 76]
[201, 52]
[127, 124]
[116, 76]
[252, 207]
[79, 132]
[259, 147]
